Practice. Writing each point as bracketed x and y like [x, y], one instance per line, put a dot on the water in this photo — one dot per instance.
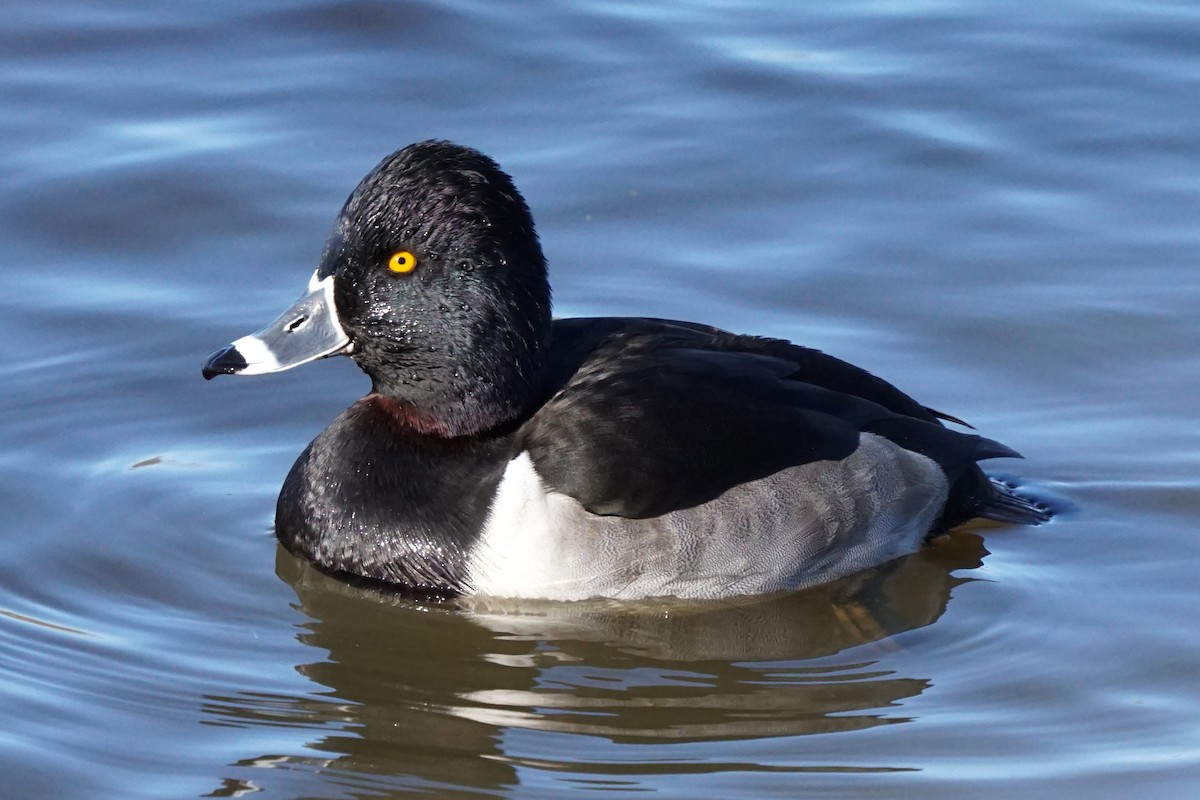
[994, 205]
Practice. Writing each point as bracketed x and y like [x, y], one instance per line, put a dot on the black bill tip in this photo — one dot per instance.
[226, 361]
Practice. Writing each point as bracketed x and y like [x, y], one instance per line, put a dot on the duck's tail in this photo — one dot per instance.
[1005, 505]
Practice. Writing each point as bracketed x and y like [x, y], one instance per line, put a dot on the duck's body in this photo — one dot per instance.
[504, 454]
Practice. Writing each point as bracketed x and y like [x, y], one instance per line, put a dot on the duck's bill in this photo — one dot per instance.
[309, 330]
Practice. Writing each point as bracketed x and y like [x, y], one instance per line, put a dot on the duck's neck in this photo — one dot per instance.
[408, 416]
[470, 415]
[468, 392]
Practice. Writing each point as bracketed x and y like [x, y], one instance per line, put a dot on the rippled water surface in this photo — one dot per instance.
[995, 205]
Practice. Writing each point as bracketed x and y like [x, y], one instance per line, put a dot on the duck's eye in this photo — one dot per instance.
[402, 261]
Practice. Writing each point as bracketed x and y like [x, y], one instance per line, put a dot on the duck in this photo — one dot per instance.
[504, 453]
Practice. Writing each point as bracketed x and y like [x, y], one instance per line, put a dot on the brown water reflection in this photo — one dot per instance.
[428, 693]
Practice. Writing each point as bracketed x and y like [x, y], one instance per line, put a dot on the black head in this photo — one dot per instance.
[440, 284]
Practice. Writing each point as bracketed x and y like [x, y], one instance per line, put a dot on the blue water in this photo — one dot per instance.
[993, 205]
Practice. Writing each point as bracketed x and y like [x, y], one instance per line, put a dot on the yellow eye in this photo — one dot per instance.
[402, 261]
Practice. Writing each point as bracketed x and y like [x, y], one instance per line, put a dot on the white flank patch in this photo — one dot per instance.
[519, 554]
[799, 527]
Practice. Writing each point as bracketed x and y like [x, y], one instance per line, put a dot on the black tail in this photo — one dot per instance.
[1005, 505]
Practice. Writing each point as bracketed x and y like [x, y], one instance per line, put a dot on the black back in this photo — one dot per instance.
[649, 416]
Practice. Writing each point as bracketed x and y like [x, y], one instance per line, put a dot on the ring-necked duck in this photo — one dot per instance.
[504, 453]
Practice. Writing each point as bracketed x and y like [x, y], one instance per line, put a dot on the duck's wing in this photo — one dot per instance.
[649, 416]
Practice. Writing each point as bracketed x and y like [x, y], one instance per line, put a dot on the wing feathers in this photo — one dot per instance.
[650, 416]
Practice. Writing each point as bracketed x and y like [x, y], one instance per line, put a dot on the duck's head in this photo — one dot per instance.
[433, 281]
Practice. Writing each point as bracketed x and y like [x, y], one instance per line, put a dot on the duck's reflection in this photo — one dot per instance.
[429, 695]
